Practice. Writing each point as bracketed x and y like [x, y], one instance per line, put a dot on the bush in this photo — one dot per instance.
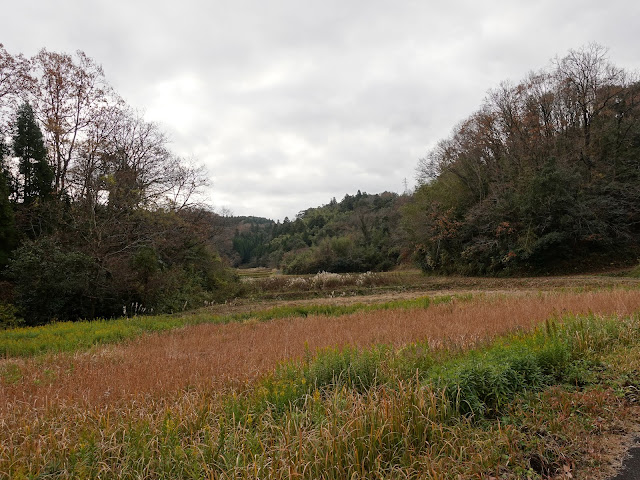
[51, 283]
[9, 316]
[187, 283]
[54, 283]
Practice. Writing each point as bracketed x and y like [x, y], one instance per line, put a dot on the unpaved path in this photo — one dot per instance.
[631, 463]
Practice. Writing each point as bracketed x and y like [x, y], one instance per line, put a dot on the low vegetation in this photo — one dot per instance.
[72, 336]
[415, 413]
[522, 406]
[325, 283]
[510, 386]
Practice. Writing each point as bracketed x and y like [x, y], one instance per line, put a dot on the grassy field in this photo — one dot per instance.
[469, 383]
[280, 296]
[74, 336]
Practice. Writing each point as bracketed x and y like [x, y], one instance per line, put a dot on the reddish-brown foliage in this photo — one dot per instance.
[220, 356]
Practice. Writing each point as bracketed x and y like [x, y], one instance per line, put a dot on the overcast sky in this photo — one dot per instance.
[289, 103]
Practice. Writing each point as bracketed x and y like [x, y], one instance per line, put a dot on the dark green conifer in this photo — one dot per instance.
[28, 146]
[8, 233]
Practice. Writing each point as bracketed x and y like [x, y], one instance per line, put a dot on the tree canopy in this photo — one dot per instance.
[98, 215]
[545, 174]
[357, 234]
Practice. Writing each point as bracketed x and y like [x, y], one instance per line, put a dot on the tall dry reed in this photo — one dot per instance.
[221, 356]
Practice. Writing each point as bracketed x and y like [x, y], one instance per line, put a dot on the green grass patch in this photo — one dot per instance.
[364, 416]
[477, 383]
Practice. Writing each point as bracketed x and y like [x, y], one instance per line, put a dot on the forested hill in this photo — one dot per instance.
[545, 176]
[359, 233]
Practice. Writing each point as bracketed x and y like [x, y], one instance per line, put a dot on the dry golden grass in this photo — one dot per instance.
[122, 409]
[220, 356]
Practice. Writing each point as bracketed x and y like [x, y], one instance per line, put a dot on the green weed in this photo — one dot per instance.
[11, 373]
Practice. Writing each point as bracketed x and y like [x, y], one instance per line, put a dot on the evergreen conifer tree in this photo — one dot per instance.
[28, 146]
[8, 233]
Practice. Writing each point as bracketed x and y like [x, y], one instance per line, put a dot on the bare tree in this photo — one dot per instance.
[66, 93]
[125, 161]
[86, 176]
[137, 162]
[14, 76]
[588, 83]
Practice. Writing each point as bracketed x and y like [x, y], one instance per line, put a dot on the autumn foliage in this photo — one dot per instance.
[545, 175]
[98, 217]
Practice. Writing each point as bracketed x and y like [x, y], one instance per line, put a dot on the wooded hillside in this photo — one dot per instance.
[99, 218]
[357, 234]
[544, 176]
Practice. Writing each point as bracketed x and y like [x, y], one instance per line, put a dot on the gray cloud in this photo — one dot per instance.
[291, 103]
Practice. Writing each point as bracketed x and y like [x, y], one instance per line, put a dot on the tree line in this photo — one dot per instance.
[98, 217]
[545, 176]
[357, 234]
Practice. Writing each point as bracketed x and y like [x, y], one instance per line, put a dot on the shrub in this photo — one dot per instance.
[9, 316]
[52, 283]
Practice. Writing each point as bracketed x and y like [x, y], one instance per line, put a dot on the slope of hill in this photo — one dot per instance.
[359, 233]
